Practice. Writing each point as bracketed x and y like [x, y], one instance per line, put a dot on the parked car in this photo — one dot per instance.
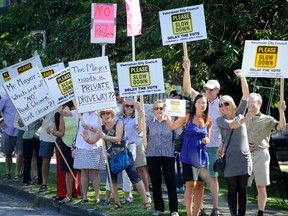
[280, 142]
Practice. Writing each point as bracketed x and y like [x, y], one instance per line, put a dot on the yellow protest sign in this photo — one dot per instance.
[266, 56]
[139, 76]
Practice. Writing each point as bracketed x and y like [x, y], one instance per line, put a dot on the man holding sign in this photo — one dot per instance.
[259, 130]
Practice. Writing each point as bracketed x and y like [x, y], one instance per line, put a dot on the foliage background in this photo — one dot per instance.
[67, 24]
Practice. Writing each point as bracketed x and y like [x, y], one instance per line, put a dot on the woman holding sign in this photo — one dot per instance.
[193, 155]
[115, 141]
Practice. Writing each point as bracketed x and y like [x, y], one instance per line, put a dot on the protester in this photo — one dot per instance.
[66, 134]
[160, 159]
[31, 144]
[9, 137]
[259, 131]
[88, 156]
[46, 150]
[238, 160]
[212, 88]
[114, 137]
[193, 155]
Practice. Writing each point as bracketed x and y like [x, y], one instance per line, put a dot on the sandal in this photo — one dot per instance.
[147, 206]
[116, 206]
[43, 188]
[83, 201]
[66, 200]
[18, 177]
[26, 184]
[216, 212]
[6, 177]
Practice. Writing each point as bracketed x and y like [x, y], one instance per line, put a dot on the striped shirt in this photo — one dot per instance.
[159, 139]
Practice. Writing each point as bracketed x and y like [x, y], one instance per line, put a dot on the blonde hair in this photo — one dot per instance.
[229, 99]
[122, 111]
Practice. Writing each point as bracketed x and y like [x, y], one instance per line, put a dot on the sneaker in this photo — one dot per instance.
[180, 190]
[104, 203]
[174, 214]
[157, 213]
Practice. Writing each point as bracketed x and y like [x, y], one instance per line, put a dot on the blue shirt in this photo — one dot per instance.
[8, 112]
[159, 139]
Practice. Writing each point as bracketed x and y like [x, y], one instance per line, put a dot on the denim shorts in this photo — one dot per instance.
[8, 143]
[46, 149]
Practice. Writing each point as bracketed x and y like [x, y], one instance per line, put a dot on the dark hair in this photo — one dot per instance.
[175, 93]
[206, 112]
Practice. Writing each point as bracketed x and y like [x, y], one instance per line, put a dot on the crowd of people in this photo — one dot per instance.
[212, 125]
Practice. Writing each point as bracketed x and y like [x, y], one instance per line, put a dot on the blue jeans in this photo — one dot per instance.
[178, 171]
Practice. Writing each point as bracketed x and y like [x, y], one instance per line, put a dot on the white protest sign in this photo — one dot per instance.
[51, 69]
[103, 26]
[183, 25]
[30, 95]
[93, 85]
[265, 58]
[20, 68]
[140, 77]
[175, 107]
[61, 86]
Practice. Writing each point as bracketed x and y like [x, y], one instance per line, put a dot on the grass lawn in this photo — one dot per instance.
[136, 206]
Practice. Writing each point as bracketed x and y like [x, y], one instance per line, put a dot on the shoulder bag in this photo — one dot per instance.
[219, 164]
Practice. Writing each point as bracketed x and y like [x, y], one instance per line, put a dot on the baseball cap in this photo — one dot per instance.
[212, 84]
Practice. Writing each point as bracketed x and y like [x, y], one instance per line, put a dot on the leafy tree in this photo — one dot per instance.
[67, 25]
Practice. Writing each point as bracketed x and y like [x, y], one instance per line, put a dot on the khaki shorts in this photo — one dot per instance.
[140, 159]
[261, 169]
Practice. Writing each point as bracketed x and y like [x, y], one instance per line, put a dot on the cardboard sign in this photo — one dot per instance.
[51, 69]
[20, 68]
[183, 25]
[61, 86]
[103, 26]
[265, 59]
[175, 107]
[93, 85]
[30, 95]
[140, 77]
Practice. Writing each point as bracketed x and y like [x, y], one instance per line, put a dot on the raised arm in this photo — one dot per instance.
[187, 79]
[178, 123]
[282, 122]
[244, 85]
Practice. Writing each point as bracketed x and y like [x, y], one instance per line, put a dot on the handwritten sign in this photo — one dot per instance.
[93, 85]
[61, 86]
[30, 96]
[175, 107]
[265, 58]
[140, 77]
[103, 26]
[20, 68]
[183, 25]
[51, 69]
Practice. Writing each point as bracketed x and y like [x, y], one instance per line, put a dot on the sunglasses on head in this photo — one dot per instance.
[158, 108]
[129, 106]
[224, 104]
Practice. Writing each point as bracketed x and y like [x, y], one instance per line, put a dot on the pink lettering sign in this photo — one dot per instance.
[104, 30]
[103, 12]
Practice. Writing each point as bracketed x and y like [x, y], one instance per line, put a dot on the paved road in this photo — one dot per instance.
[12, 206]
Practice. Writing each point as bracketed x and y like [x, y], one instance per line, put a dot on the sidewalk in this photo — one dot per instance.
[78, 210]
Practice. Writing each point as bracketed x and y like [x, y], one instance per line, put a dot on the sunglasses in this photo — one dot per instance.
[158, 108]
[105, 113]
[226, 104]
[129, 106]
[207, 89]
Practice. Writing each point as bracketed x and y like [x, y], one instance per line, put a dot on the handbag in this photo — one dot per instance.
[219, 164]
[119, 162]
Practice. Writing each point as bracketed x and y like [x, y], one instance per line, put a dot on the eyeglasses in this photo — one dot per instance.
[129, 106]
[207, 89]
[158, 108]
[105, 113]
[224, 104]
